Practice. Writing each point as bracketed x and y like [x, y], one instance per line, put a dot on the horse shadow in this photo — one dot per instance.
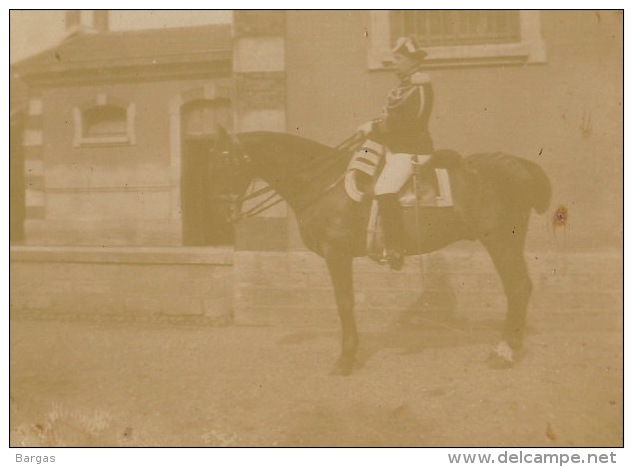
[431, 322]
[417, 331]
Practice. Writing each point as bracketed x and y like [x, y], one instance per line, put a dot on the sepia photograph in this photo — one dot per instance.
[317, 228]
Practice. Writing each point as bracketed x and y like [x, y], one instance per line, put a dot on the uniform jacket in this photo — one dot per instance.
[405, 116]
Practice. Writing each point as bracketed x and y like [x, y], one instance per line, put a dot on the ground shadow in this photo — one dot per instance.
[433, 321]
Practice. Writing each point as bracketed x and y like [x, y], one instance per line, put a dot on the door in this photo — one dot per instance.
[204, 219]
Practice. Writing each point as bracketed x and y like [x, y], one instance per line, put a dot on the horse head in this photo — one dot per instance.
[230, 167]
[228, 150]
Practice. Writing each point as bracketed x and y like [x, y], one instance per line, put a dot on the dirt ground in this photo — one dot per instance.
[107, 382]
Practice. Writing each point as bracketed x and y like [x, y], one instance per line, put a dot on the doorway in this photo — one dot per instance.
[204, 221]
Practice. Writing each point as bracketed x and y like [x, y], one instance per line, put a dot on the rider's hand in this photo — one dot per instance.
[365, 128]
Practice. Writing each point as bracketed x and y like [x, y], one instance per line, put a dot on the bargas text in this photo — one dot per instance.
[34, 459]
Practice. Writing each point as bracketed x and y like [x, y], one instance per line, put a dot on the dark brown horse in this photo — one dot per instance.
[493, 196]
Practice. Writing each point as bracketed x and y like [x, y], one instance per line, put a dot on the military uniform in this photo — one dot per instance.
[403, 129]
[406, 115]
[402, 133]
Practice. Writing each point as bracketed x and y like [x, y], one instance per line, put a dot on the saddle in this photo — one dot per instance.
[428, 187]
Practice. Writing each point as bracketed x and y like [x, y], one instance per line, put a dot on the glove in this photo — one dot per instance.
[366, 128]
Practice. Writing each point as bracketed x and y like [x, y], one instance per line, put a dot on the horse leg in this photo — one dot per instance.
[507, 256]
[340, 268]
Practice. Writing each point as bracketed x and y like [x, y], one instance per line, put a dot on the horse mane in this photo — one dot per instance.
[299, 157]
[276, 140]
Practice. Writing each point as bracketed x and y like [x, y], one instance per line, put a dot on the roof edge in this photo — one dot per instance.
[42, 62]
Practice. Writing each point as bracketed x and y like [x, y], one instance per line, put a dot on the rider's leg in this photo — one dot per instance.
[394, 175]
[392, 228]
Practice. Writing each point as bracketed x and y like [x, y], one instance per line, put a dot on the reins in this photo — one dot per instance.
[348, 144]
[256, 193]
[259, 207]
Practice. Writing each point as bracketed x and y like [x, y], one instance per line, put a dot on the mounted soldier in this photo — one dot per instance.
[497, 193]
[401, 134]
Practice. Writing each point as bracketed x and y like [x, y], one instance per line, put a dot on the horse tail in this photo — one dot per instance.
[514, 176]
[541, 188]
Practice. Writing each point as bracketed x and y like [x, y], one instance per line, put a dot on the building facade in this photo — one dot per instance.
[117, 128]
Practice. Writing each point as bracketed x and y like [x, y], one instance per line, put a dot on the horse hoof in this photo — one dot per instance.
[502, 356]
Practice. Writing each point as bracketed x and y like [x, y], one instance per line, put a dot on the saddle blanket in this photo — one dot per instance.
[431, 187]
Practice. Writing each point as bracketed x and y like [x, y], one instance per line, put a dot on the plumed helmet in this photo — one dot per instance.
[410, 47]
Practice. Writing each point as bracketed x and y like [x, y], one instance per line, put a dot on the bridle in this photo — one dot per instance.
[273, 198]
[260, 207]
[238, 158]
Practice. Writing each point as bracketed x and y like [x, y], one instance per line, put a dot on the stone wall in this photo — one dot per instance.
[122, 282]
[293, 288]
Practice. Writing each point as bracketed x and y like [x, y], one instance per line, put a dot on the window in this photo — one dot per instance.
[456, 27]
[105, 121]
[460, 37]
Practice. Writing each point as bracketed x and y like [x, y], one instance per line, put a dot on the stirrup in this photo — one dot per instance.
[395, 260]
[380, 258]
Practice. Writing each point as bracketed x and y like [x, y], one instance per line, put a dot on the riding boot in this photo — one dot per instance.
[392, 227]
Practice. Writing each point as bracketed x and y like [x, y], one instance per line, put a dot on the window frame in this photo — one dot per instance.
[82, 140]
[529, 50]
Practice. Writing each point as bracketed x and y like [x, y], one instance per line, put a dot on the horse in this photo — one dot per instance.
[494, 194]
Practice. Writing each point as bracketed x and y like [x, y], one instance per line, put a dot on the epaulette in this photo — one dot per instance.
[420, 78]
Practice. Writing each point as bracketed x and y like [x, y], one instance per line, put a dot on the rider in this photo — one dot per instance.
[402, 131]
